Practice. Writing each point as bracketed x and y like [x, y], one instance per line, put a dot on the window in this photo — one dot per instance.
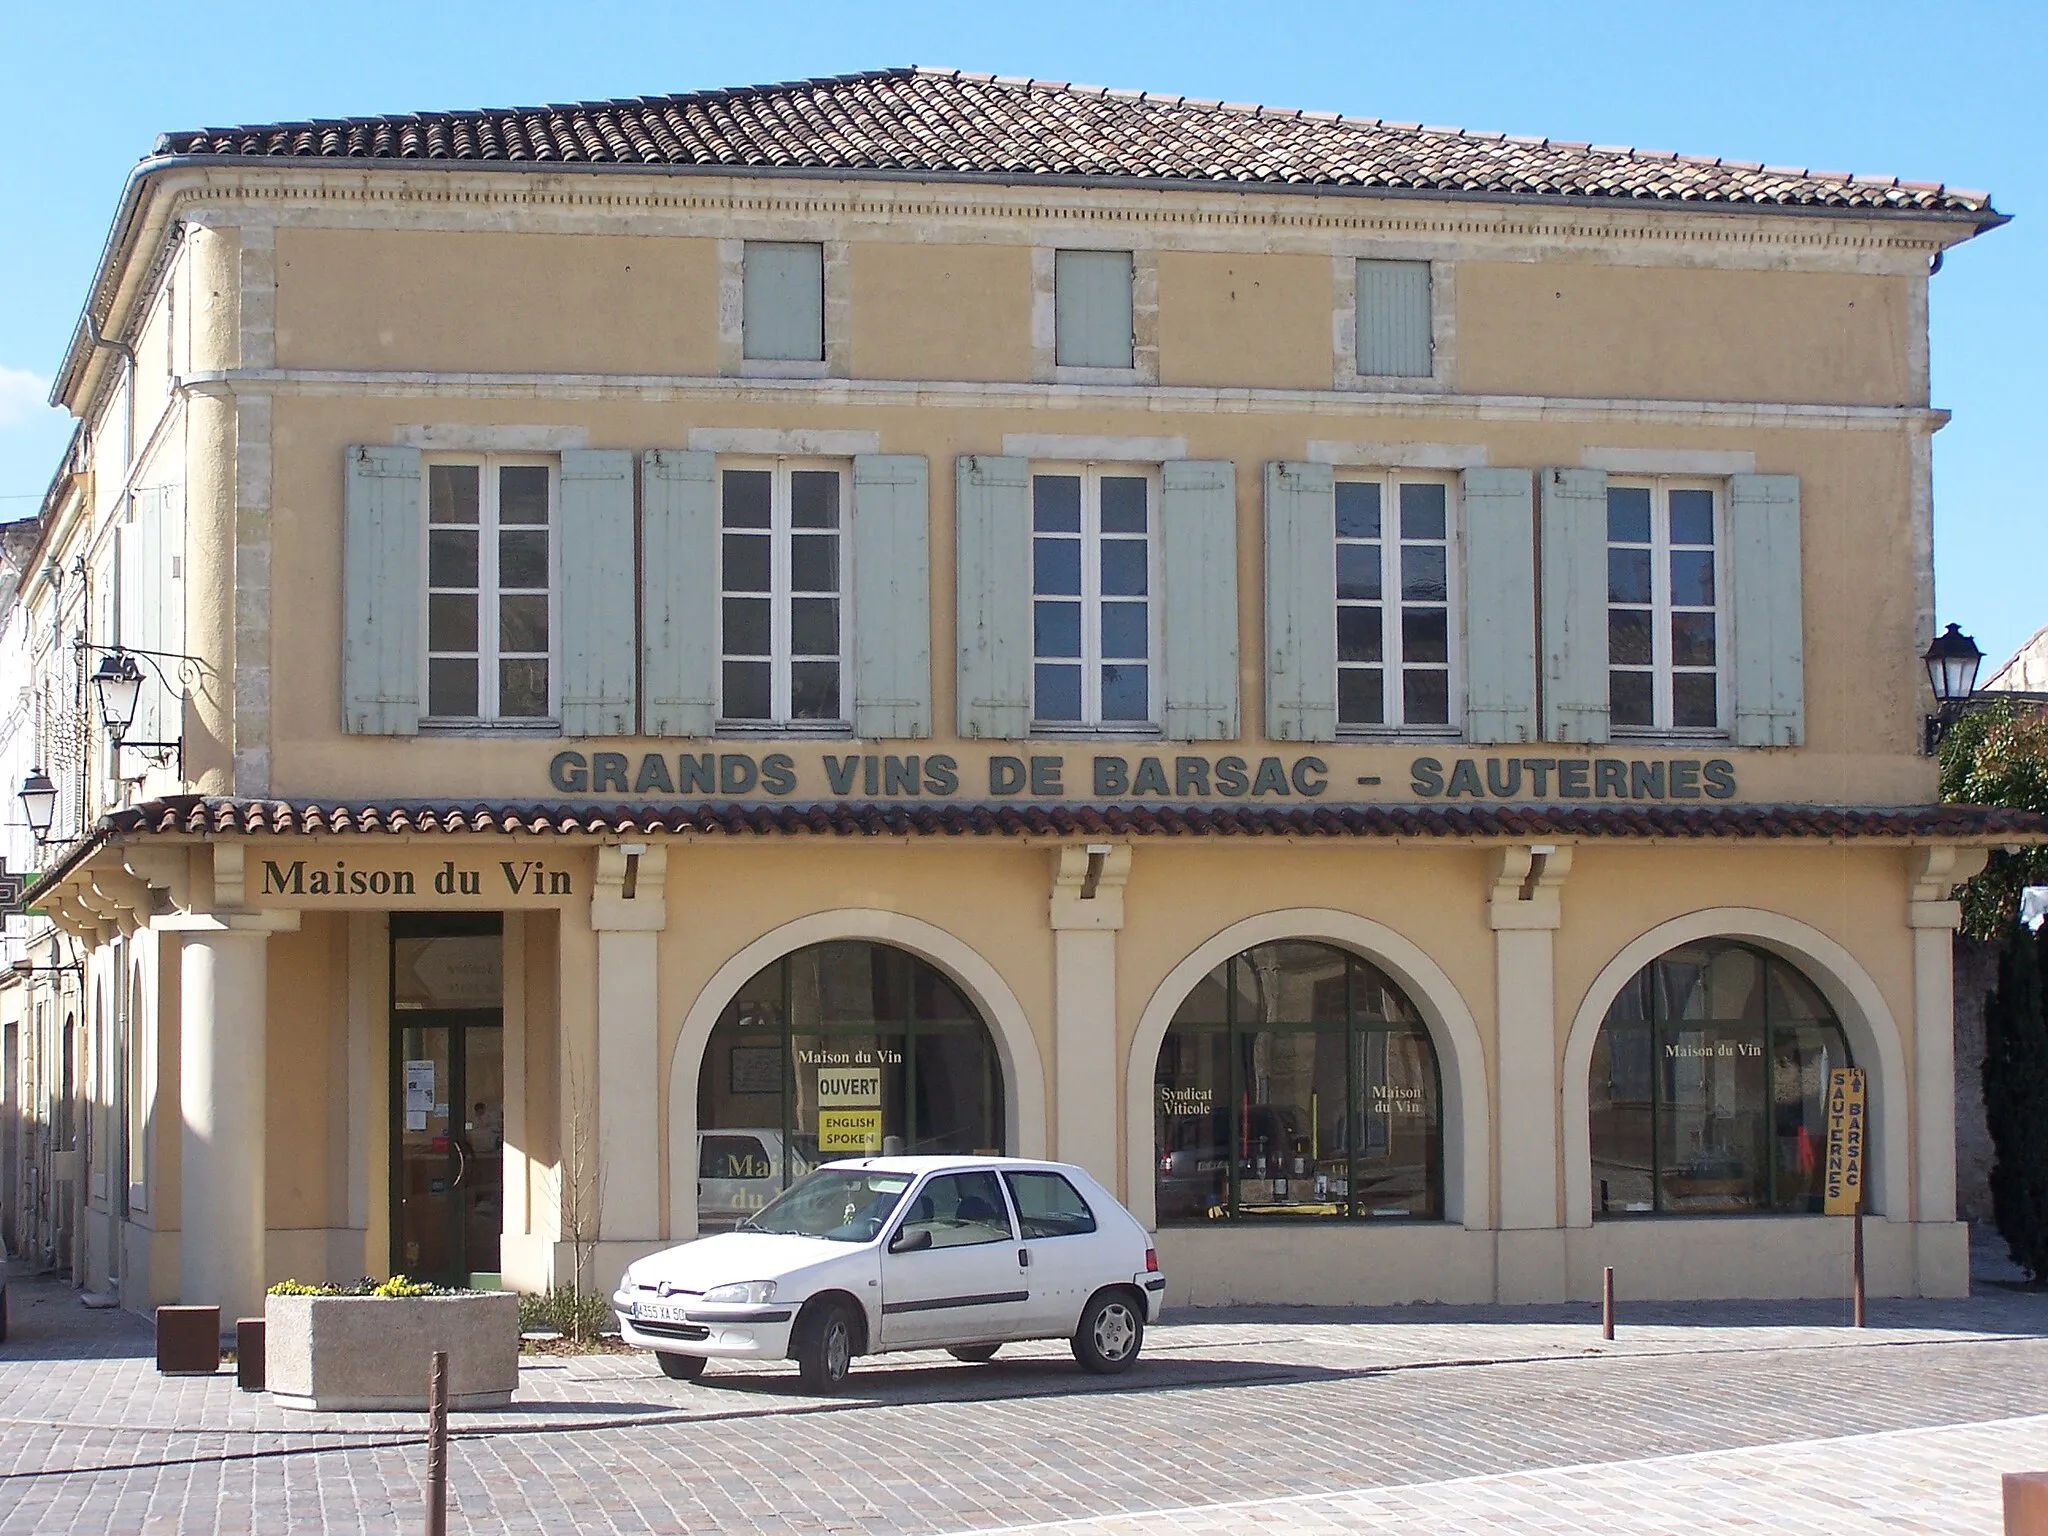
[1094, 626]
[1296, 1081]
[782, 623]
[490, 586]
[960, 1210]
[1092, 322]
[1394, 634]
[783, 302]
[1394, 320]
[1048, 1205]
[1663, 607]
[1708, 1086]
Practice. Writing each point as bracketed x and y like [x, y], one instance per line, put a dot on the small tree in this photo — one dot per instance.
[1998, 755]
[2016, 1102]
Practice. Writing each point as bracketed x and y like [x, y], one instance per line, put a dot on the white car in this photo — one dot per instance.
[963, 1254]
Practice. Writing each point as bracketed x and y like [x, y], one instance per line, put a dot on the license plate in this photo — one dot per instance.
[659, 1311]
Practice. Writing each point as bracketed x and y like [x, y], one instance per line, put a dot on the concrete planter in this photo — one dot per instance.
[344, 1353]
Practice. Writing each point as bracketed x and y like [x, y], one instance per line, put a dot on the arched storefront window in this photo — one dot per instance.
[1707, 1086]
[1297, 1081]
[846, 1049]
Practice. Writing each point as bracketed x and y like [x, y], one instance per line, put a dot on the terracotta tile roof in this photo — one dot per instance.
[949, 123]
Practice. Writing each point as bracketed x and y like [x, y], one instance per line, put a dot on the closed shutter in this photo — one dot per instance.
[1092, 309]
[170, 624]
[783, 302]
[382, 584]
[595, 647]
[1198, 520]
[1574, 544]
[892, 601]
[136, 622]
[1500, 605]
[1301, 602]
[1769, 681]
[1393, 319]
[679, 592]
[992, 545]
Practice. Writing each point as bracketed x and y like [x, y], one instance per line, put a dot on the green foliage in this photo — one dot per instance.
[577, 1314]
[2016, 1102]
[1998, 755]
[397, 1287]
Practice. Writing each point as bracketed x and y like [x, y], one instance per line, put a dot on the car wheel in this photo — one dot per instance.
[1111, 1333]
[974, 1354]
[679, 1367]
[824, 1346]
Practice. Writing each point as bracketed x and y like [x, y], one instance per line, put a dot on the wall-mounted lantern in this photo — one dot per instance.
[117, 685]
[39, 803]
[1952, 663]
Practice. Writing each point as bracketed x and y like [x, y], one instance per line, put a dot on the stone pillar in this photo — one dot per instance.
[1087, 911]
[1524, 909]
[1941, 1246]
[628, 909]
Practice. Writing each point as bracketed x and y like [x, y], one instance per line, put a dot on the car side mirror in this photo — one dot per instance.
[911, 1242]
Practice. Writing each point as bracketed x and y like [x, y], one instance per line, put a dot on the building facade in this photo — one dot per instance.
[1359, 682]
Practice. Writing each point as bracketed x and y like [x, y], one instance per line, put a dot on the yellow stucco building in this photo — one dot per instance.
[1360, 682]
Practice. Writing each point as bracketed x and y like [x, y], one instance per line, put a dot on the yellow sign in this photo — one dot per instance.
[845, 1131]
[1848, 1128]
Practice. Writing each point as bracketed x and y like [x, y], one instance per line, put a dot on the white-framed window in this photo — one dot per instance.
[783, 302]
[1094, 584]
[1666, 624]
[782, 582]
[1397, 647]
[1094, 310]
[492, 567]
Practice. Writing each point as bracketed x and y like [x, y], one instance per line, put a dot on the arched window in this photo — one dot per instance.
[1708, 1084]
[1297, 1081]
[847, 1049]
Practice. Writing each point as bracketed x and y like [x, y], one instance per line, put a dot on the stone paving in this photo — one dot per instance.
[1733, 1416]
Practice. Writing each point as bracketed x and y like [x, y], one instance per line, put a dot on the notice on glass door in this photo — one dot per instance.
[849, 1110]
[419, 1094]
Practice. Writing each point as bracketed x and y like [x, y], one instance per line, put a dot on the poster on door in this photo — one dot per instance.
[849, 1110]
[419, 1094]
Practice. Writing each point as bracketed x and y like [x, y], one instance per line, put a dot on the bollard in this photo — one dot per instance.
[1858, 1262]
[2026, 1503]
[1607, 1302]
[249, 1363]
[437, 1447]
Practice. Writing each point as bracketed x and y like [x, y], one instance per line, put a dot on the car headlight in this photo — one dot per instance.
[743, 1293]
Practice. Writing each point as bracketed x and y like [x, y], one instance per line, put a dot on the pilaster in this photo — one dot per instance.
[1524, 907]
[1932, 918]
[1087, 910]
[628, 910]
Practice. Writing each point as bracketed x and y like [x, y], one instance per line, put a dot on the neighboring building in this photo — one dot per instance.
[2025, 671]
[1360, 682]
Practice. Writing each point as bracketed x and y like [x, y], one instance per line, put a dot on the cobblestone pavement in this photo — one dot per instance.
[1752, 1416]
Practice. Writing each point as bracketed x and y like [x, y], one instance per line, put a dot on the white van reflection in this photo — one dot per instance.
[739, 1171]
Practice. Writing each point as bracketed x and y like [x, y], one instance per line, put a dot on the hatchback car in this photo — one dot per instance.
[963, 1254]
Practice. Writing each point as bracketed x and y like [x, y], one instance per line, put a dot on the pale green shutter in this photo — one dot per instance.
[992, 544]
[1198, 520]
[1301, 602]
[892, 596]
[1769, 680]
[783, 301]
[1500, 605]
[1574, 545]
[1091, 303]
[140, 611]
[679, 591]
[1393, 319]
[595, 646]
[382, 589]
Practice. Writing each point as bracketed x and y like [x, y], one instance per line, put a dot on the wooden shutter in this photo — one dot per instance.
[992, 544]
[1574, 545]
[783, 302]
[1393, 319]
[1198, 523]
[679, 592]
[137, 619]
[1301, 602]
[892, 595]
[595, 646]
[1500, 605]
[383, 587]
[1092, 309]
[1769, 678]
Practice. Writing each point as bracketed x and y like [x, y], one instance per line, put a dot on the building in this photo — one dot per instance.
[1361, 682]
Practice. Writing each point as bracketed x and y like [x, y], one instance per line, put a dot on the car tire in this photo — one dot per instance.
[825, 1339]
[679, 1367]
[1112, 1332]
[974, 1354]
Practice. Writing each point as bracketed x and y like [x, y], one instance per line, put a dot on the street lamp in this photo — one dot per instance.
[39, 803]
[117, 683]
[1952, 661]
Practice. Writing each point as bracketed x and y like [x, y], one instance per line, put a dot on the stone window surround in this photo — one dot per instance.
[732, 358]
[1045, 369]
[1443, 328]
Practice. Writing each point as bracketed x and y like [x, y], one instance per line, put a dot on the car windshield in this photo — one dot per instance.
[843, 1204]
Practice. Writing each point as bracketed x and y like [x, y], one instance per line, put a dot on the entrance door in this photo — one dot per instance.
[450, 1163]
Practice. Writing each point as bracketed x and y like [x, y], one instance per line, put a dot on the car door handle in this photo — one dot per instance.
[1023, 1258]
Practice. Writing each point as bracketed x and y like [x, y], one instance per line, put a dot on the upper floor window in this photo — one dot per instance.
[1095, 626]
[783, 303]
[491, 564]
[782, 621]
[1663, 606]
[1092, 310]
[1394, 335]
[1395, 639]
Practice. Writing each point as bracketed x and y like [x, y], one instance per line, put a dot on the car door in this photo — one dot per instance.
[950, 1270]
[1060, 1242]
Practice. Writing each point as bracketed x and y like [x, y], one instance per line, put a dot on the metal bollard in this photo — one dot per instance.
[1607, 1302]
[1856, 1263]
[437, 1447]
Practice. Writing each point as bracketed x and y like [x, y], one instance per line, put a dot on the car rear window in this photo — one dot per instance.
[1048, 1205]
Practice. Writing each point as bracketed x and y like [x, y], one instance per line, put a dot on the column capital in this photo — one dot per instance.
[1931, 874]
[1526, 885]
[1088, 885]
[631, 894]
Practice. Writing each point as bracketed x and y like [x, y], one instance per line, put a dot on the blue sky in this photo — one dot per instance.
[1929, 92]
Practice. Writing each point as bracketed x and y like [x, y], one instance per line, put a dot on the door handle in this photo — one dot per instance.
[461, 1162]
[1023, 1258]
